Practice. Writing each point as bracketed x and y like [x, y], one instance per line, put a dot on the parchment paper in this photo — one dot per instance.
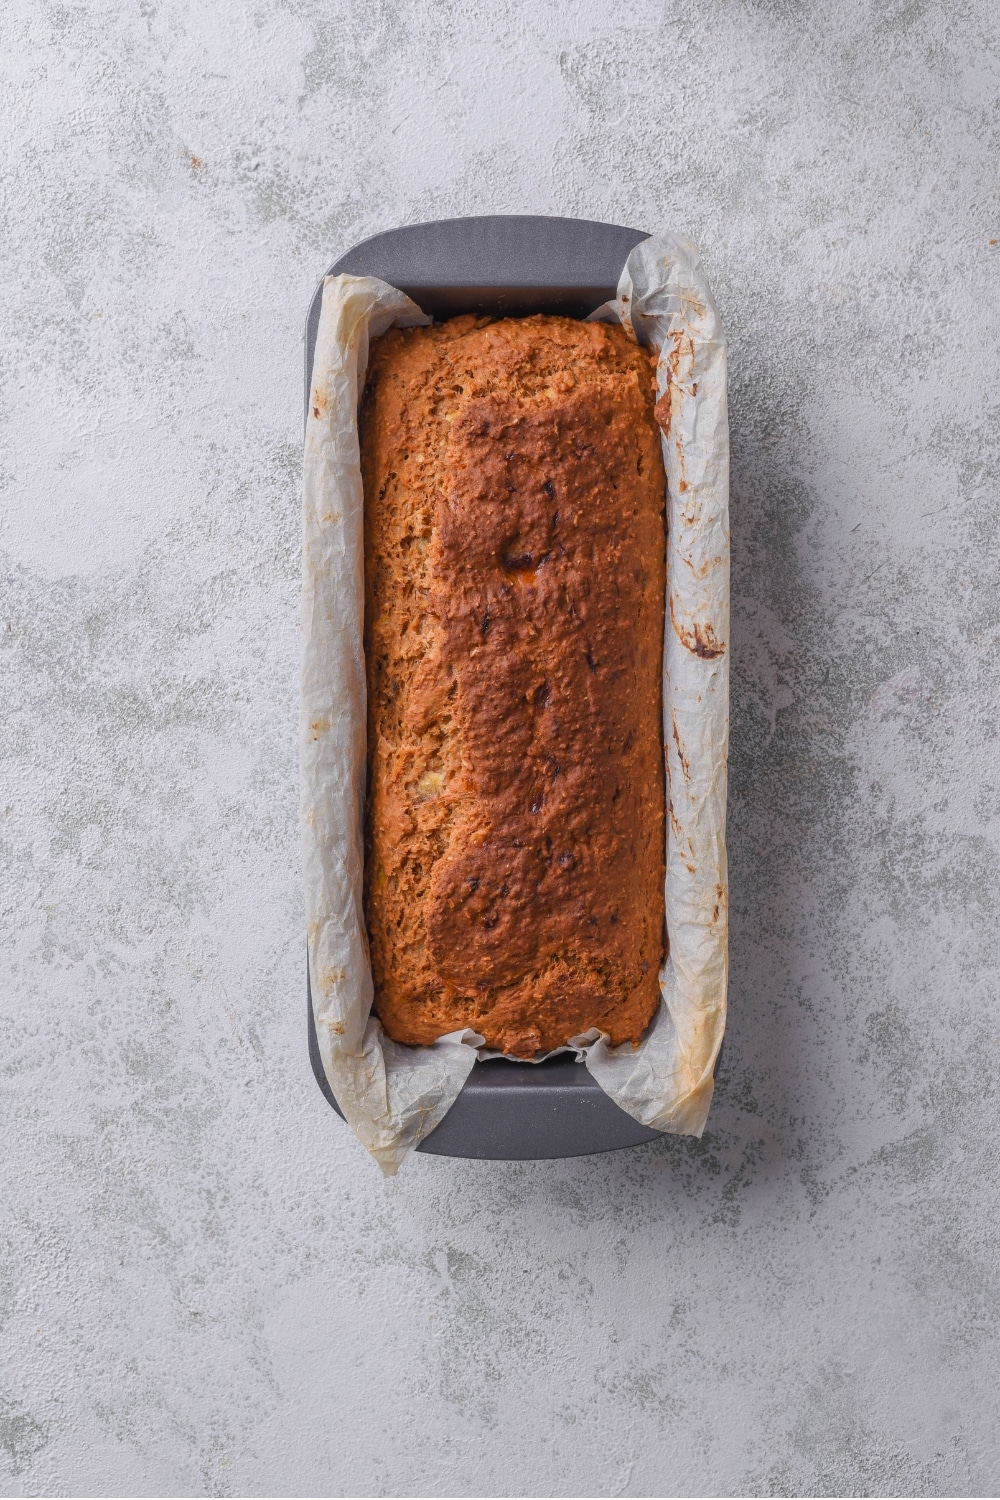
[393, 1096]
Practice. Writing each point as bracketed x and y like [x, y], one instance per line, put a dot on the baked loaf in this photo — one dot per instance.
[514, 609]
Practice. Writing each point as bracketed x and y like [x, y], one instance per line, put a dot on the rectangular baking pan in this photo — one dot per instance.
[509, 266]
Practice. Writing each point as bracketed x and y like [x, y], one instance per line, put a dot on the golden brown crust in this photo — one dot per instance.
[514, 566]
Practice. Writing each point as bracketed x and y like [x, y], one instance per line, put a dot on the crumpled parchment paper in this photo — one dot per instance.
[393, 1096]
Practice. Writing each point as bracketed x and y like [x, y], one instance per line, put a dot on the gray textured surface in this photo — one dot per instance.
[205, 1288]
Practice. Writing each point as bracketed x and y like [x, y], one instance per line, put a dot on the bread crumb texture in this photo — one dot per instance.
[514, 602]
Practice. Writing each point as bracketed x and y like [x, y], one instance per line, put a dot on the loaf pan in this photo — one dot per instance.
[510, 266]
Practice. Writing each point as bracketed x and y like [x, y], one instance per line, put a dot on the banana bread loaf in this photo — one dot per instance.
[514, 609]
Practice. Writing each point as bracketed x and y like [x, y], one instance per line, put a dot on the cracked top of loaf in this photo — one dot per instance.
[514, 612]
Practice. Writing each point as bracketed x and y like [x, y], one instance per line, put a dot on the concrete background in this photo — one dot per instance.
[205, 1287]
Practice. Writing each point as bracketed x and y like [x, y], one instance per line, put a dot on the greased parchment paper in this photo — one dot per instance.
[393, 1096]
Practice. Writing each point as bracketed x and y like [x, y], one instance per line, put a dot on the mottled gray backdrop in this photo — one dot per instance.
[205, 1286]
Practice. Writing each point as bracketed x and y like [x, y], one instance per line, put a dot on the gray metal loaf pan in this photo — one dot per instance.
[512, 266]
